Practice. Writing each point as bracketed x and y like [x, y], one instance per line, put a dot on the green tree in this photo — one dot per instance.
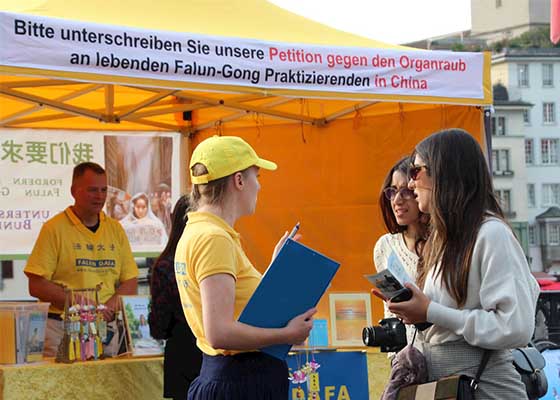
[538, 38]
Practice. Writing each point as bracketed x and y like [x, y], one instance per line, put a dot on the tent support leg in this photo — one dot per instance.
[109, 102]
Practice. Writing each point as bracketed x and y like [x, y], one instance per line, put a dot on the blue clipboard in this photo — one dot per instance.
[294, 282]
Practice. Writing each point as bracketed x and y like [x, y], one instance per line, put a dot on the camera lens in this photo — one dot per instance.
[374, 336]
[366, 335]
[389, 335]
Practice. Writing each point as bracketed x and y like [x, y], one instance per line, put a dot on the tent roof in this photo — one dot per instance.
[254, 19]
[60, 99]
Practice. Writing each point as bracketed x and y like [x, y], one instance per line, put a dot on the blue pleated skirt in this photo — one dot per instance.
[245, 376]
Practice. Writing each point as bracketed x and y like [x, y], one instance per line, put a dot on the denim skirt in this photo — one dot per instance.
[244, 376]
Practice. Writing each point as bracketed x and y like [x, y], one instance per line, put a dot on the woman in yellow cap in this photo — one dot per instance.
[216, 279]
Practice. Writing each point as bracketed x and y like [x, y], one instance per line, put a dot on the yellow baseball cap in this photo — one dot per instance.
[223, 156]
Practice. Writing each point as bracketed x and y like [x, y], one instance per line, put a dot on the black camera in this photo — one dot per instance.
[390, 335]
[405, 294]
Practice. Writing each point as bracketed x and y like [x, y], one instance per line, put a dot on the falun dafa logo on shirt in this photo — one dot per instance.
[180, 268]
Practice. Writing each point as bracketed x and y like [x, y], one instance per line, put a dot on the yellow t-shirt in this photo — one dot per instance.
[209, 246]
[68, 253]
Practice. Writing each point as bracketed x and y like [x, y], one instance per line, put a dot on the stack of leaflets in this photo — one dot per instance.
[390, 282]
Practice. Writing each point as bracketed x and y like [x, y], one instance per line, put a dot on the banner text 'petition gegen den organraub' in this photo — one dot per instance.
[58, 44]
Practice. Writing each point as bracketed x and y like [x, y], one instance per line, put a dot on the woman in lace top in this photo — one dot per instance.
[407, 226]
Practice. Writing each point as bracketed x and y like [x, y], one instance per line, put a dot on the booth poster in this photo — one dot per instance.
[142, 174]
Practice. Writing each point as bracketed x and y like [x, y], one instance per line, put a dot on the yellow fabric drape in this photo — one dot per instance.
[132, 378]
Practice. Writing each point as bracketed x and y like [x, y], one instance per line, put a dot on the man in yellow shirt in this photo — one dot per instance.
[78, 248]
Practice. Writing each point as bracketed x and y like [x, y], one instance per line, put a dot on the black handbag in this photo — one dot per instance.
[529, 362]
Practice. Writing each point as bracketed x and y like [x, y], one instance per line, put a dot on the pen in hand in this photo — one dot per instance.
[294, 231]
[284, 240]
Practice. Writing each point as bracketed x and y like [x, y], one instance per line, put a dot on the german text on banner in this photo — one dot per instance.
[62, 45]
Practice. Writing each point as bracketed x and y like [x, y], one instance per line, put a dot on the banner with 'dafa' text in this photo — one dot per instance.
[63, 45]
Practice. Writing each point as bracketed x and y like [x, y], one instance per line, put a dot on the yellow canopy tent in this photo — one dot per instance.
[333, 147]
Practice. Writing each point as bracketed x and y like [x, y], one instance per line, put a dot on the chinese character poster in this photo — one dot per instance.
[36, 177]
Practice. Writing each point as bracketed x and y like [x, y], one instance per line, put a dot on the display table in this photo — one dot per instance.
[126, 378]
[121, 379]
[379, 369]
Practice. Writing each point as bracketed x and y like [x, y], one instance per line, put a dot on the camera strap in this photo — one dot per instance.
[414, 337]
[485, 357]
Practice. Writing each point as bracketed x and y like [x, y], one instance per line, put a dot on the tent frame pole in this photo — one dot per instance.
[36, 108]
[57, 105]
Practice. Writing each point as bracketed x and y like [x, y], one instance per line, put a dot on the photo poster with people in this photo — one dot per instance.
[135, 310]
[37, 164]
[143, 179]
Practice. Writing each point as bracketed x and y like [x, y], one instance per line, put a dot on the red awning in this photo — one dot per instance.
[547, 284]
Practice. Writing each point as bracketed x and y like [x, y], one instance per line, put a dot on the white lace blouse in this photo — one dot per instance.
[395, 243]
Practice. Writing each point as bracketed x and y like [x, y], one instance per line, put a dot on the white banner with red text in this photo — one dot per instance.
[72, 46]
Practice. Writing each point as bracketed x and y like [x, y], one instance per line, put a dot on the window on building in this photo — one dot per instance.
[500, 160]
[7, 267]
[523, 75]
[547, 75]
[504, 195]
[548, 113]
[553, 234]
[527, 117]
[531, 199]
[532, 235]
[550, 194]
[501, 126]
[498, 126]
[529, 153]
[549, 151]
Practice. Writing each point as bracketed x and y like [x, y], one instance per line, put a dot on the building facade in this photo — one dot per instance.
[494, 20]
[533, 76]
[508, 161]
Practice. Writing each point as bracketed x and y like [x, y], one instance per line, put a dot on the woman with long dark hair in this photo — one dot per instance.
[182, 358]
[477, 289]
[406, 224]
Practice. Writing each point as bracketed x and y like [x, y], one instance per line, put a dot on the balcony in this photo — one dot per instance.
[506, 173]
[510, 214]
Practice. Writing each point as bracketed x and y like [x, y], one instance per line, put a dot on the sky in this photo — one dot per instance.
[391, 21]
